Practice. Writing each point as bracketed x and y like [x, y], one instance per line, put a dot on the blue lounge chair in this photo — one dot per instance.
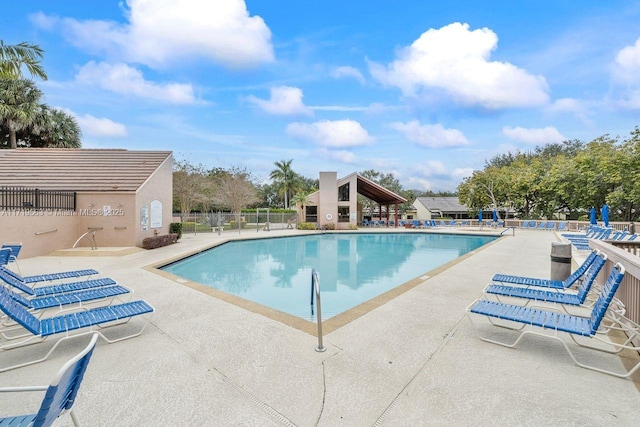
[546, 283]
[65, 324]
[541, 294]
[416, 223]
[11, 279]
[63, 299]
[562, 226]
[15, 251]
[6, 254]
[549, 324]
[59, 396]
[551, 225]
[542, 225]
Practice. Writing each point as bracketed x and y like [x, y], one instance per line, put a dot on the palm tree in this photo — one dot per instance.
[19, 106]
[13, 57]
[300, 198]
[60, 130]
[285, 177]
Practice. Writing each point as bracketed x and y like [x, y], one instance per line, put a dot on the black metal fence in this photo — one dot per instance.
[19, 198]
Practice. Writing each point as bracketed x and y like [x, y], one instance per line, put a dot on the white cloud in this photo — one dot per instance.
[347, 71]
[456, 62]
[627, 64]
[284, 101]
[545, 135]
[576, 107]
[459, 174]
[432, 136]
[342, 156]
[626, 77]
[94, 126]
[126, 80]
[630, 101]
[337, 133]
[162, 32]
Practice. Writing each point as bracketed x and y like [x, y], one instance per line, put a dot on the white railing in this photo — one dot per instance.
[625, 253]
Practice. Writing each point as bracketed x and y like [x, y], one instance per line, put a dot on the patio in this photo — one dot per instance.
[412, 361]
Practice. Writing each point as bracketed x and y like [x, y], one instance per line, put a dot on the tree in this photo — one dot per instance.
[285, 178]
[14, 57]
[19, 106]
[189, 186]
[58, 129]
[235, 191]
[300, 198]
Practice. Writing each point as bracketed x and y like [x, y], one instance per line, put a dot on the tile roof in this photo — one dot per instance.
[443, 204]
[78, 169]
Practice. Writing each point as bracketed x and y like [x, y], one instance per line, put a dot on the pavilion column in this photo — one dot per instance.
[397, 219]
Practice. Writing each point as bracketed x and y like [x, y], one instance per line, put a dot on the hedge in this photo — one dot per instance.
[159, 241]
[176, 228]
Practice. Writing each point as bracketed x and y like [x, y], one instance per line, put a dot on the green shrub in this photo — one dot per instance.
[234, 225]
[176, 228]
[329, 226]
[353, 227]
[307, 226]
[159, 241]
[190, 227]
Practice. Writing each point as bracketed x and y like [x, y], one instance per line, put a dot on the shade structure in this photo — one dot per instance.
[605, 215]
[495, 216]
[592, 216]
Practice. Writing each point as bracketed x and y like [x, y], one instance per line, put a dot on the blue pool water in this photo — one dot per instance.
[353, 268]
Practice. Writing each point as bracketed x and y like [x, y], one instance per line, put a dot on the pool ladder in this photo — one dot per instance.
[315, 292]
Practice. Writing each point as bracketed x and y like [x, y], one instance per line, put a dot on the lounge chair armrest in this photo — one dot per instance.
[25, 388]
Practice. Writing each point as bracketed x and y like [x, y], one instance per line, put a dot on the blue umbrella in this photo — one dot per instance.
[605, 215]
[495, 216]
[480, 215]
[592, 216]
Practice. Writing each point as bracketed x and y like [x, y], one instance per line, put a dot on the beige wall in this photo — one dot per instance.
[328, 198]
[114, 229]
[421, 211]
[42, 232]
[159, 187]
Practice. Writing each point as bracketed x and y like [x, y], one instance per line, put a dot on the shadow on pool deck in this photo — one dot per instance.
[413, 360]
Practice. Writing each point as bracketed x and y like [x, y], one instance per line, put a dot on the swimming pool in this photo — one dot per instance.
[353, 267]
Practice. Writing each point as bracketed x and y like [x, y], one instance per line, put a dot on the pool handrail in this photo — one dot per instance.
[315, 290]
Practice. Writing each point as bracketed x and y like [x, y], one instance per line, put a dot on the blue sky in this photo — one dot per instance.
[425, 90]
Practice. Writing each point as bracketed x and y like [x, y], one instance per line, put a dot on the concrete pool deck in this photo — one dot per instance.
[414, 360]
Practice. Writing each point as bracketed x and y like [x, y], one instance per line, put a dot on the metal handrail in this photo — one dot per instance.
[92, 239]
[315, 290]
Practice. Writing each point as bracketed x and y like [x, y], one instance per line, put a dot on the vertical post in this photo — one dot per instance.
[315, 290]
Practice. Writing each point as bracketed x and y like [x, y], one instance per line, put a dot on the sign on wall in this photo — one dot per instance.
[156, 214]
[144, 218]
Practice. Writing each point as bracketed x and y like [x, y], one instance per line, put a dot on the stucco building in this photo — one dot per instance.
[336, 202]
[49, 198]
[440, 207]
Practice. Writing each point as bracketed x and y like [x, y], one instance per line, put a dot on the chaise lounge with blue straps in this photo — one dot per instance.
[64, 325]
[549, 323]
